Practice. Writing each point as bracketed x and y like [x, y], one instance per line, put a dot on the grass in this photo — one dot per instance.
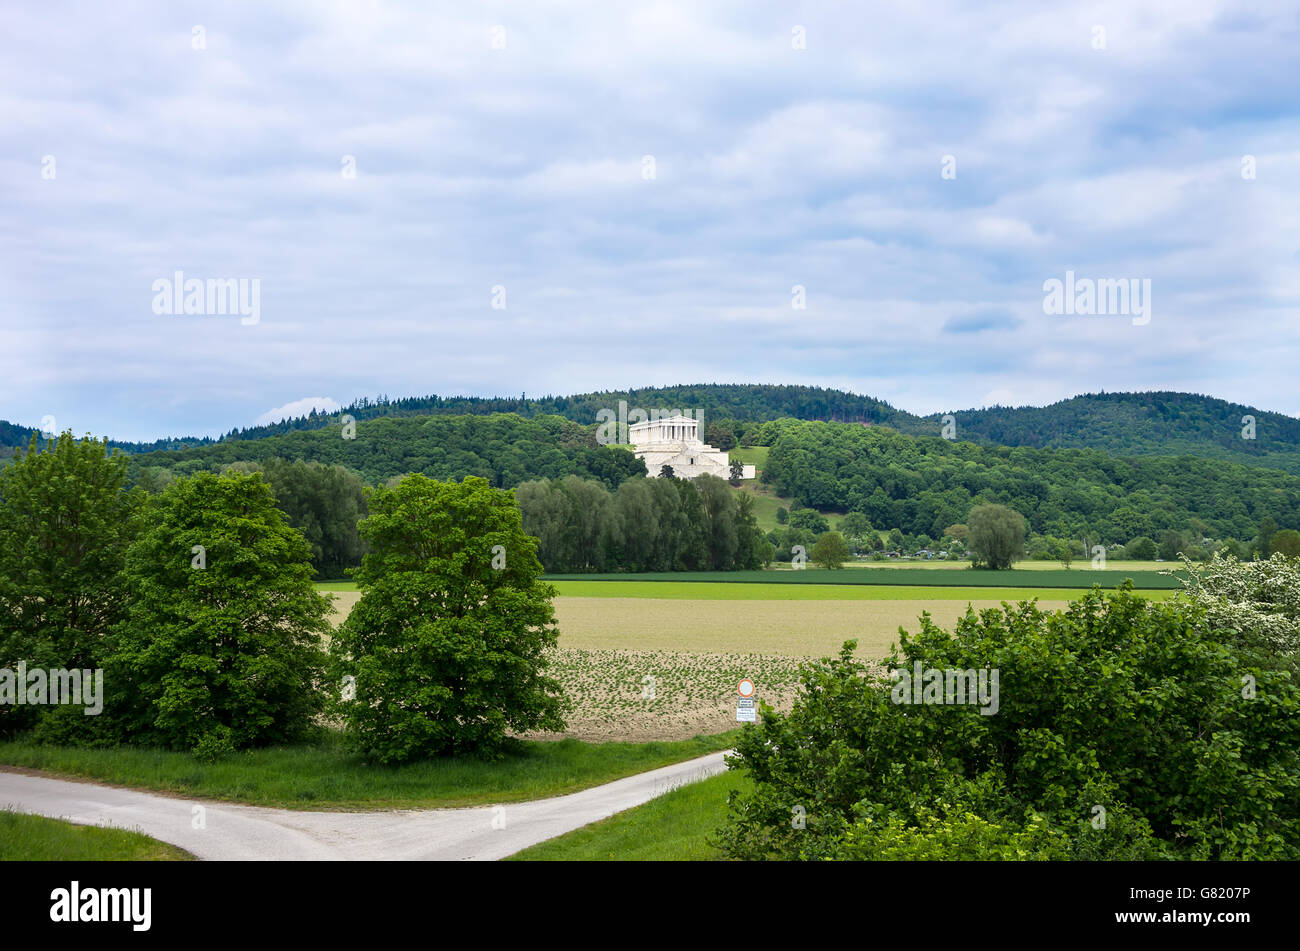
[676, 826]
[902, 575]
[721, 591]
[25, 838]
[323, 775]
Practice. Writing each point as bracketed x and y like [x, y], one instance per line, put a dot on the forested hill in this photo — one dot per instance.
[1136, 424]
[712, 401]
[1122, 424]
[923, 484]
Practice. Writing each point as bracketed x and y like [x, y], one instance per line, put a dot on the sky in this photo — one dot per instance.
[560, 197]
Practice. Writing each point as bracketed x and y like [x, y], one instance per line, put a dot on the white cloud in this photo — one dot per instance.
[302, 407]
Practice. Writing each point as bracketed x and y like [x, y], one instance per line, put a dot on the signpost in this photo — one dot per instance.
[745, 712]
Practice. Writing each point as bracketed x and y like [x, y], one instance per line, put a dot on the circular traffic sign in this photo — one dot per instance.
[746, 688]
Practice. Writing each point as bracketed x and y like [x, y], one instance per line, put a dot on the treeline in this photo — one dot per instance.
[188, 619]
[644, 525]
[923, 485]
[504, 449]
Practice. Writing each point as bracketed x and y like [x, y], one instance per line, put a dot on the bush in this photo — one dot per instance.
[1117, 709]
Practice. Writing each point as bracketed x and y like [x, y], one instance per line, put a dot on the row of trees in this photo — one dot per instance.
[197, 603]
[664, 524]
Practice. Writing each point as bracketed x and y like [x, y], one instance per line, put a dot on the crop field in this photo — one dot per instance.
[647, 695]
[698, 639]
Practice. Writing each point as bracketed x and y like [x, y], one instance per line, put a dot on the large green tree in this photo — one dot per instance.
[997, 535]
[221, 647]
[447, 646]
[65, 524]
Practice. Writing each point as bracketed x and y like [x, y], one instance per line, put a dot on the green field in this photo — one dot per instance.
[25, 838]
[675, 827]
[324, 776]
[910, 575]
[720, 591]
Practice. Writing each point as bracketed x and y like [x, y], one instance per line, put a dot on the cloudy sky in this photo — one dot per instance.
[554, 197]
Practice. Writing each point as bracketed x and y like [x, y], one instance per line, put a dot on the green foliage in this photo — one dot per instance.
[65, 524]
[1140, 549]
[1286, 542]
[697, 524]
[830, 551]
[1117, 703]
[809, 520]
[997, 536]
[220, 649]
[922, 485]
[447, 641]
[504, 449]
[324, 503]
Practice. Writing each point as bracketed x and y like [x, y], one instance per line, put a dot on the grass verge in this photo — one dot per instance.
[674, 827]
[323, 775]
[25, 838]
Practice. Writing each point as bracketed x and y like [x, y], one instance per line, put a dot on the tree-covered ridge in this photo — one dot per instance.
[503, 448]
[1134, 424]
[1122, 424]
[739, 401]
[922, 485]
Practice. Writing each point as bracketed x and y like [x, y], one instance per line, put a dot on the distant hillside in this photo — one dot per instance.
[1122, 424]
[1136, 424]
[714, 401]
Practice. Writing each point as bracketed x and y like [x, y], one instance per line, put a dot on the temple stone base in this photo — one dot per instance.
[675, 442]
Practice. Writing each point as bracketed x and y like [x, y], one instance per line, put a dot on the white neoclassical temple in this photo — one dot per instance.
[675, 441]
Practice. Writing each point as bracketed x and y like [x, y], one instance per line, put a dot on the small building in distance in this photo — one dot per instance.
[675, 441]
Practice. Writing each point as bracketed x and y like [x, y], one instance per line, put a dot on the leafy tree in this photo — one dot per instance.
[1065, 553]
[666, 471]
[737, 471]
[1171, 544]
[221, 646]
[810, 520]
[1140, 549]
[447, 642]
[1116, 702]
[830, 551]
[997, 535]
[782, 515]
[65, 525]
[1286, 542]
[1264, 538]
[324, 503]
